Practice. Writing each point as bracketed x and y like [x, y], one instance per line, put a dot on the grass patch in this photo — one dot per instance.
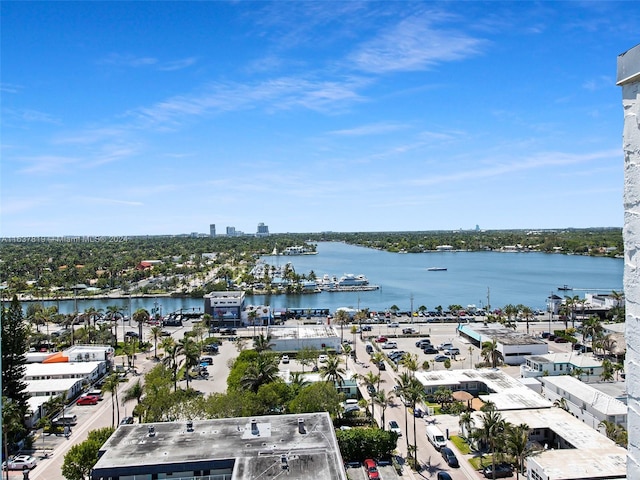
[461, 444]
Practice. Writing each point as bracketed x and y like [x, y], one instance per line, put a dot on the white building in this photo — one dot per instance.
[585, 402]
[564, 363]
[628, 77]
[513, 346]
[290, 339]
[224, 307]
[570, 450]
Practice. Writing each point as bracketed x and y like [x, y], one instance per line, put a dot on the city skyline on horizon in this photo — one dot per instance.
[130, 118]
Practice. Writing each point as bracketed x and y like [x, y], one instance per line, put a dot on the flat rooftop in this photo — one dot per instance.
[503, 335]
[302, 332]
[574, 358]
[598, 400]
[236, 446]
[59, 369]
[507, 392]
[594, 455]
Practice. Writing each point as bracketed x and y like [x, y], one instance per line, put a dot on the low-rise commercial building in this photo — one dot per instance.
[585, 366]
[585, 402]
[225, 307]
[513, 346]
[291, 339]
[291, 446]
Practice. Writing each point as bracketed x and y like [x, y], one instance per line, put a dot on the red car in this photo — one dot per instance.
[381, 339]
[372, 469]
[88, 400]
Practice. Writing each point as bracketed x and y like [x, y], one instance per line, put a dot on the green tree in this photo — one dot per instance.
[134, 392]
[262, 343]
[81, 458]
[492, 433]
[156, 333]
[262, 370]
[111, 385]
[517, 443]
[191, 351]
[14, 346]
[332, 370]
[140, 316]
[490, 352]
[317, 397]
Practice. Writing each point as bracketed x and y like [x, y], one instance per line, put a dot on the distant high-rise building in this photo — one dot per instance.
[212, 230]
[263, 230]
[231, 231]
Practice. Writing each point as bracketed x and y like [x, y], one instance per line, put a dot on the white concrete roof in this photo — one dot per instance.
[51, 385]
[57, 369]
[303, 331]
[599, 401]
[576, 359]
[508, 393]
[594, 455]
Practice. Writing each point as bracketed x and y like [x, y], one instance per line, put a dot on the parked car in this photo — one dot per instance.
[452, 351]
[449, 457]
[443, 476]
[285, 358]
[423, 343]
[441, 358]
[381, 339]
[445, 346]
[206, 360]
[371, 389]
[502, 470]
[408, 331]
[394, 325]
[429, 350]
[87, 400]
[165, 333]
[560, 340]
[394, 427]
[131, 334]
[323, 358]
[20, 462]
[381, 366]
[366, 328]
[372, 469]
[389, 345]
[211, 348]
[126, 421]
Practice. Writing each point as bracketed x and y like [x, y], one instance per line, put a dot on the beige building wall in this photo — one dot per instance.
[629, 79]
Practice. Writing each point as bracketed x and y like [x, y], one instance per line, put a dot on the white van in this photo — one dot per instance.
[436, 437]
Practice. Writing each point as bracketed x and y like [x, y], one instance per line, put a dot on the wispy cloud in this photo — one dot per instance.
[177, 64]
[414, 45]
[133, 61]
[46, 164]
[111, 201]
[28, 115]
[9, 88]
[373, 129]
[598, 83]
[127, 60]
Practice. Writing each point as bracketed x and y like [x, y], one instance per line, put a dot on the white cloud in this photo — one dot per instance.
[414, 45]
[127, 60]
[373, 129]
[177, 64]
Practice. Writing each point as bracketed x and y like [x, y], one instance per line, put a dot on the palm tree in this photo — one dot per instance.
[252, 315]
[262, 343]
[332, 371]
[156, 333]
[140, 316]
[413, 395]
[591, 328]
[561, 402]
[466, 423]
[405, 382]
[383, 399]
[517, 443]
[298, 382]
[410, 362]
[526, 313]
[492, 432]
[490, 352]
[377, 359]
[134, 392]
[170, 348]
[371, 379]
[260, 372]
[341, 318]
[191, 351]
[111, 385]
[113, 312]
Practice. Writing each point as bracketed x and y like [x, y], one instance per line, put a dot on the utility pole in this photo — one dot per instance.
[411, 298]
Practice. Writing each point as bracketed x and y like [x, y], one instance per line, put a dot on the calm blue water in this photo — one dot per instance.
[506, 278]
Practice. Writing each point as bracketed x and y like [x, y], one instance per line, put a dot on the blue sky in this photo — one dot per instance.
[135, 118]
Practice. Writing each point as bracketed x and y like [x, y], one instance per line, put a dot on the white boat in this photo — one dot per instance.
[351, 280]
[436, 269]
[298, 250]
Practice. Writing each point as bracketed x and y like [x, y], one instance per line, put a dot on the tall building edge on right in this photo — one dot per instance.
[628, 77]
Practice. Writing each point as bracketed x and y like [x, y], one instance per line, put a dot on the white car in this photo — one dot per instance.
[323, 358]
[389, 345]
[285, 359]
[20, 462]
[394, 427]
[394, 325]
